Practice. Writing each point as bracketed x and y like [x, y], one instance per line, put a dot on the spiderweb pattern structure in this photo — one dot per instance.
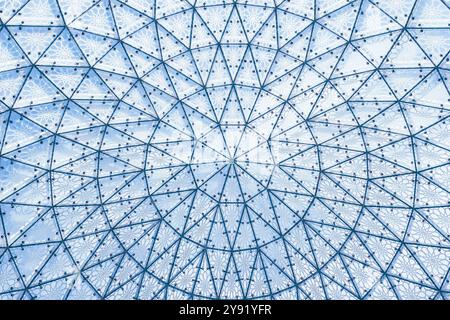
[224, 149]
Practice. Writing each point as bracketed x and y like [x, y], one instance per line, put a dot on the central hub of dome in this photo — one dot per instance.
[238, 141]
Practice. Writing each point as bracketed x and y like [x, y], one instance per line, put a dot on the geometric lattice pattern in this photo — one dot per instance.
[205, 149]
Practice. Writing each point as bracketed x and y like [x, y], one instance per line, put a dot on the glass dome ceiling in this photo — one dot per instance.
[224, 149]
